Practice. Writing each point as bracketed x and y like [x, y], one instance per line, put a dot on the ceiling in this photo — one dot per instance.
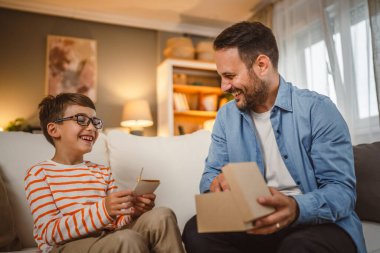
[199, 17]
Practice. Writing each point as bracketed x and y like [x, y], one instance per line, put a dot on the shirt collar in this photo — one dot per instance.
[284, 96]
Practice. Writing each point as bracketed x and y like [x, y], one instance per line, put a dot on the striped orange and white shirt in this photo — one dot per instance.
[67, 201]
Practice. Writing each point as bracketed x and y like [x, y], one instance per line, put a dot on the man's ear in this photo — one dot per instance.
[263, 65]
[53, 130]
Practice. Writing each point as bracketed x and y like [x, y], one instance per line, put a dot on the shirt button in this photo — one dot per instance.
[278, 131]
[286, 156]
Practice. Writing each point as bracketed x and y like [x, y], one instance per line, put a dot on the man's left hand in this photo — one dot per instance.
[144, 203]
[285, 214]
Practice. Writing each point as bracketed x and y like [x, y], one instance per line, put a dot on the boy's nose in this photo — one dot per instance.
[91, 126]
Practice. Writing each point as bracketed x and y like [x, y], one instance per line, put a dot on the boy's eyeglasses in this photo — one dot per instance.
[83, 120]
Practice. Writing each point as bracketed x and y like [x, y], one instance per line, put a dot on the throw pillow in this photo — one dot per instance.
[177, 161]
[367, 168]
[8, 237]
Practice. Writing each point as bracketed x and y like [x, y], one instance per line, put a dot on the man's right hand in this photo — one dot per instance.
[120, 203]
[219, 184]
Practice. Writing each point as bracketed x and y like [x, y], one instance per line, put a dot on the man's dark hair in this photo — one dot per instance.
[52, 108]
[251, 39]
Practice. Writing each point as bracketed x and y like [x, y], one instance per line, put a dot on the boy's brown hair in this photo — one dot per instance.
[54, 107]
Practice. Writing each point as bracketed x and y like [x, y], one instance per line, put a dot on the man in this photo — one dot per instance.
[300, 143]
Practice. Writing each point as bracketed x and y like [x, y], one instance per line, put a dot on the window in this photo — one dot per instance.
[325, 46]
[364, 74]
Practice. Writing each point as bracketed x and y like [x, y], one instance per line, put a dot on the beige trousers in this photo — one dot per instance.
[155, 231]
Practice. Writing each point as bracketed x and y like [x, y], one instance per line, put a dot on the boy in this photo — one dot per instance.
[75, 204]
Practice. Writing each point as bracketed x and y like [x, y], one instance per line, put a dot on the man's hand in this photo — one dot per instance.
[219, 184]
[120, 203]
[144, 203]
[286, 212]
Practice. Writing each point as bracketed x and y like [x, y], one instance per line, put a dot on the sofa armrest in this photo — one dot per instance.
[367, 169]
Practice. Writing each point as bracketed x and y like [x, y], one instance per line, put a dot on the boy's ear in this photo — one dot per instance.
[53, 130]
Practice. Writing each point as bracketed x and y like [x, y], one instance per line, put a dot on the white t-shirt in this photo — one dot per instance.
[276, 173]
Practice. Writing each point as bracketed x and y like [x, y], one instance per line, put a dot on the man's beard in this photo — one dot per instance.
[256, 93]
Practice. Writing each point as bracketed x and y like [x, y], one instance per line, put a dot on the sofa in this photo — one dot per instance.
[177, 161]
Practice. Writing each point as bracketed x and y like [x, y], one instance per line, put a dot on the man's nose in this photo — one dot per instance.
[226, 86]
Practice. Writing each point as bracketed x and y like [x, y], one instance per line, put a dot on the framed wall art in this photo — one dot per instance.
[71, 66]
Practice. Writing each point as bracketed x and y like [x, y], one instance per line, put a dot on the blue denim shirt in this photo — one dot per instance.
[314, 142]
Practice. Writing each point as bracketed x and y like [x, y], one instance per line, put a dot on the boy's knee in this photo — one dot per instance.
[164, 212]
[127, 239]
[160, 214]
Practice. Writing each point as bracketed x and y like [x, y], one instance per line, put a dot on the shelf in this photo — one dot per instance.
[194, 113]
[191, 64]
[198, 85]
[190, 121]
[192, 89]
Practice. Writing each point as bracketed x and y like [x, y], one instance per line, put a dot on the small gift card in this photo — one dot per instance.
[145, 186]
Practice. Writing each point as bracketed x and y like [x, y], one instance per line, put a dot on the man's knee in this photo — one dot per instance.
[194, 241]
[190, 230]
[321, 238]
[294, 244]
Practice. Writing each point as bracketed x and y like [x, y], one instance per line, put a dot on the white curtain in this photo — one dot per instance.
[374, 17]
[325, 46]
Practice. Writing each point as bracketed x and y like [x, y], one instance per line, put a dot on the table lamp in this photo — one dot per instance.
[136, 116]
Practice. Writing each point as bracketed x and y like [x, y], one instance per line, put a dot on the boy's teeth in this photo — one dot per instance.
[87, 138]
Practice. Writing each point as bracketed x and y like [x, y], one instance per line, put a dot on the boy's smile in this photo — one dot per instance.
[87, 138]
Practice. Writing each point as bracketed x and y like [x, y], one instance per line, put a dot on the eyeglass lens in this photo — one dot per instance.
[85, 121]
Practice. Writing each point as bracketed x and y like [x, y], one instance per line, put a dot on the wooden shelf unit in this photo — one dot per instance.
[199, 82]
[194, 113]
[191, 89]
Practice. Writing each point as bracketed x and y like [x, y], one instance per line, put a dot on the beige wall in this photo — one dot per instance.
[127, 60]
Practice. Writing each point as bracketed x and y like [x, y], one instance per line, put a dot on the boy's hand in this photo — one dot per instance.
[120, 203]
[144, 203]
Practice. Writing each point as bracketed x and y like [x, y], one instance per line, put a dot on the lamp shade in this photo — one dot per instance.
[136, 114]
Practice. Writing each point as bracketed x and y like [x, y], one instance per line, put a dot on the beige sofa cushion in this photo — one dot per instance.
[177, 161]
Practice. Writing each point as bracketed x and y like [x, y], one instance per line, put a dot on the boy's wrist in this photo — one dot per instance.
[109, 217]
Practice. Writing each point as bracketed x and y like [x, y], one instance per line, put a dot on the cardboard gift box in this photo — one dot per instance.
[235, 209]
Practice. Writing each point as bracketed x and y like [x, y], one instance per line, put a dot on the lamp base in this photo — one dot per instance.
[137, 131]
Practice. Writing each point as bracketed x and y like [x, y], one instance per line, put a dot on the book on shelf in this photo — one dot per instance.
[181, 130]
[180, 102]
[209, 102]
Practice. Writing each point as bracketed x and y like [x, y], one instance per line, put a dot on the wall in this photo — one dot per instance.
[127, 60]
